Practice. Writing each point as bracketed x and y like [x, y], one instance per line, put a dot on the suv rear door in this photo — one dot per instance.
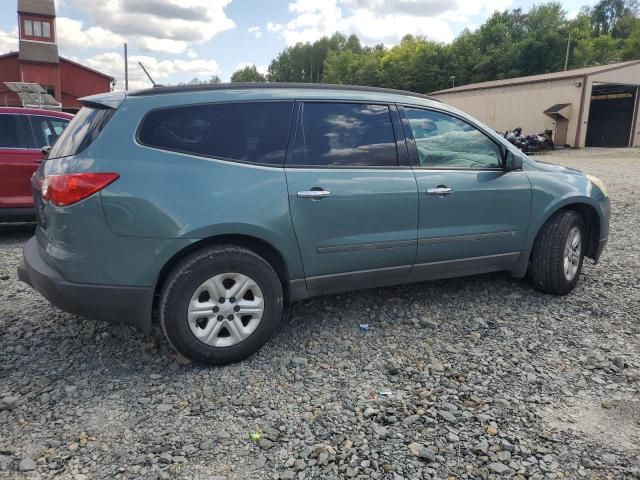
[18, 160]
[352, 195]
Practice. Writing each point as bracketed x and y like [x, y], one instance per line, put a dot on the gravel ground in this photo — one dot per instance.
[481, 377]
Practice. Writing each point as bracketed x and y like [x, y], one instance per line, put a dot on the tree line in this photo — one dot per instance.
[509, 44]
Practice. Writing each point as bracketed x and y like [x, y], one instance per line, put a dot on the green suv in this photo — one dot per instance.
[215, 206]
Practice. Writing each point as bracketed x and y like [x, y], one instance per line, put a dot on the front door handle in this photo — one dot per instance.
[317, 194]
[439, 190]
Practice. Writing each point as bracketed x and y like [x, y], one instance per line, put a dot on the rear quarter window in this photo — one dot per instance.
[252, 132]
[81, 132]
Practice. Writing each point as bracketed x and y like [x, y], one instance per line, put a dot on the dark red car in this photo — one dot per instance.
[23, 133]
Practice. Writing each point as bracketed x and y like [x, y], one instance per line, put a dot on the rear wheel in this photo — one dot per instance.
[558, 253]
[220, 305]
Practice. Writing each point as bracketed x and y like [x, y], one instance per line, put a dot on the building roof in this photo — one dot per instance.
[38, 52]
[37, 7]
[62, 59]
[545, 77]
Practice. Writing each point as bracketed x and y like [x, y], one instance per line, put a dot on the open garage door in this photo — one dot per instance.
[610, 115]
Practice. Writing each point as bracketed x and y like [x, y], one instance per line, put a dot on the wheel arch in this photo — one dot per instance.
[590, 218]
[257, 245]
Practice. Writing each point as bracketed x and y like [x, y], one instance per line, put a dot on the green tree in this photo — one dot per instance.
[508, 44]
[197, 81]
[248, 74]
[607, 13]
[304, 62]
[597, 50]
[631, 45]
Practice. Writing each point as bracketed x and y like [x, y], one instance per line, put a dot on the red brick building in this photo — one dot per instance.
[37, 61]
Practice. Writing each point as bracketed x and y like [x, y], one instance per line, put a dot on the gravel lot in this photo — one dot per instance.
[487, 378]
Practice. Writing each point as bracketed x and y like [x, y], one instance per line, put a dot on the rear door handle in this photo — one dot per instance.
[439, 190]
[314, 194]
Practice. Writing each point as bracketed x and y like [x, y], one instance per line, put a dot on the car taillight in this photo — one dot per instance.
[66, 189]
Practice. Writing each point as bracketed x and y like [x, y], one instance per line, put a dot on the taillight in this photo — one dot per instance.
[66, 189]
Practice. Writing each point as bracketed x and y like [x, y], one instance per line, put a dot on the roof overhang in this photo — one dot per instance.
[559, 110]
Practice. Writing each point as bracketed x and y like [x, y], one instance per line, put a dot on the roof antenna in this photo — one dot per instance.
[155, 85]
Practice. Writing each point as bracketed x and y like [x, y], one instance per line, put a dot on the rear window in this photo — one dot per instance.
[81, 132]
[253, 132]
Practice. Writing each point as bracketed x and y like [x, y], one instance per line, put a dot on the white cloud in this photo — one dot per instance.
[71, 35]
[8, 41]
[160, 70]
[169, 26]
[377, 21]
[255, 31]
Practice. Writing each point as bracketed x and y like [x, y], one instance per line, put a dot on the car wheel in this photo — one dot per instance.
[220, 305]
[558, 253]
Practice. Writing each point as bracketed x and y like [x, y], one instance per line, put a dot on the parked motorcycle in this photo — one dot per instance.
[530, 143]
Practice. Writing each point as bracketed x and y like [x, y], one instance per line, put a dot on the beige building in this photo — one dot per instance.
[595, 106]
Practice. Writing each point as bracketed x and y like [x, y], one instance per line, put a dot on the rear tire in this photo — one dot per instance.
[558, 253]
[200, 314]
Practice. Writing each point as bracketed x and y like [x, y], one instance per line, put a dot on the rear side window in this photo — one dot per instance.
[247, 132]
[47, 129]
[345, 135]
[14, 131]
[81, 132]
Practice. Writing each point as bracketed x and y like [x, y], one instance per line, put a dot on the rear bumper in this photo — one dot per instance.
[121, 304]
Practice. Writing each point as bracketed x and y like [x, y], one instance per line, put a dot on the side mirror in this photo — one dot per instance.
[512, 162]
[45, 150]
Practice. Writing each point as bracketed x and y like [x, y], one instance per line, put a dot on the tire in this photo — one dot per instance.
[187, 305]
[548, 267]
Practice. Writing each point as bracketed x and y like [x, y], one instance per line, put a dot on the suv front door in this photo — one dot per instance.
[352, 195]
[474, 214]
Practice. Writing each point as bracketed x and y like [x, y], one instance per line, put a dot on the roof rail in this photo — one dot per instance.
[269, 85]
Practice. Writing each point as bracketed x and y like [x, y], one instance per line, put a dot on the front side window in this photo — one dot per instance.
[46, 29]
[253, 132]
[345, 135]
[444, 141]
[37, 29]
[14, 131]
[47, 129]
[28, 27]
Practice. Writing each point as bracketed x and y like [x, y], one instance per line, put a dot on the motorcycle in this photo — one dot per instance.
[530, 143]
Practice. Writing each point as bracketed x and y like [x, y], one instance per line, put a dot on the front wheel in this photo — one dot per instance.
[221, 305]
[558, 253]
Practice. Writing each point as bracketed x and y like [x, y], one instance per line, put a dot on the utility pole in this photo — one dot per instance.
[566, 57]
[126, 69]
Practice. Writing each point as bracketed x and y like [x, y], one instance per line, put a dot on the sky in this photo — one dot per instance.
[178, 40]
